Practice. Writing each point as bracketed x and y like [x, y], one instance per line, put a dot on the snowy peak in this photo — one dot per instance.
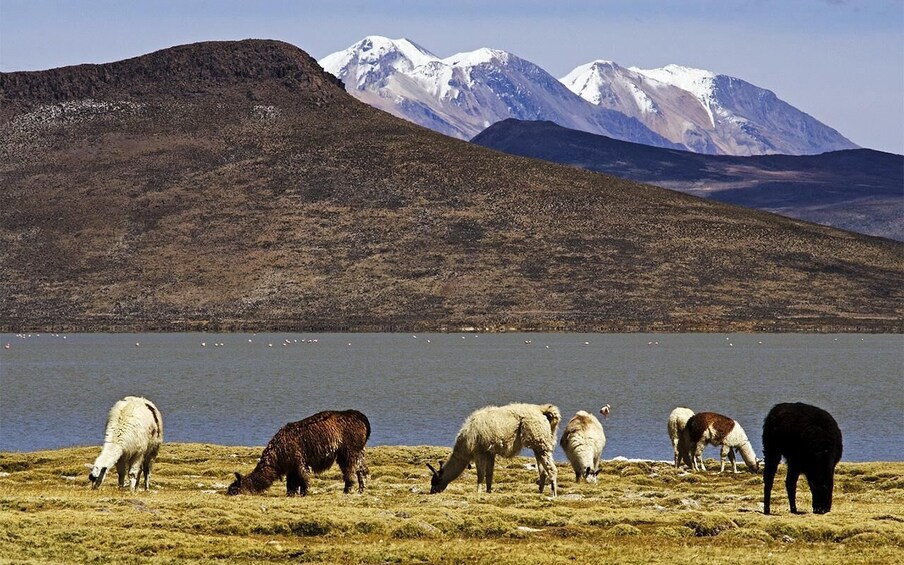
[462, 94]
[604, 83]
[698, 82]
[705, 111]
[477, 57]
[674, 106]
[376, 56]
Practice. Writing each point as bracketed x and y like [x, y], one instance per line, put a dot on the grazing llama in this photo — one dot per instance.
[810, 441]
[309, 447]
[583, 441]
[722, 431]
[132, 440]
[680, 445]
[503, 431]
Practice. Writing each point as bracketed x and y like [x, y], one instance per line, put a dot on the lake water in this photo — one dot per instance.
[55, 390]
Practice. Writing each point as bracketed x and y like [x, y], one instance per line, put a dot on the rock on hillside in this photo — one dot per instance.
[234, 185]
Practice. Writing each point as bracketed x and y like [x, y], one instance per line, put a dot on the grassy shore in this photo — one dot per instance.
[638, 513]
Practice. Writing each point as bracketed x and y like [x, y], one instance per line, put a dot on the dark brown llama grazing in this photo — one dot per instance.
[309, 447]
[810, 441]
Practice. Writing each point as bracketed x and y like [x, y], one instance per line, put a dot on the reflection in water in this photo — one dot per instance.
[418, 389]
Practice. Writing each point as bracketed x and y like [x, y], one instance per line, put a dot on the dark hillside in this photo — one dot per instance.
[857, 189]
[236, 186]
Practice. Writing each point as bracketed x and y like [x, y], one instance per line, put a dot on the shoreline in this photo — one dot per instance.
[197, 445]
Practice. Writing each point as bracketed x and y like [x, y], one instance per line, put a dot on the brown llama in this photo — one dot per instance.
[310, 447]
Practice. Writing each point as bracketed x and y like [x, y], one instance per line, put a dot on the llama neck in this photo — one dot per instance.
[260, 478]
[454, 467]
[109, 455]
[749, 456]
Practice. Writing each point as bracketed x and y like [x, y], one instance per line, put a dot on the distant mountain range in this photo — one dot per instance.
[236, 186]
[857, 189]
[673, 107]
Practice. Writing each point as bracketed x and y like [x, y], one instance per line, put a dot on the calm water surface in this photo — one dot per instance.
[417, 390]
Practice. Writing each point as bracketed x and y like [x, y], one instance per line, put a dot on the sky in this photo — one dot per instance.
[841, 61]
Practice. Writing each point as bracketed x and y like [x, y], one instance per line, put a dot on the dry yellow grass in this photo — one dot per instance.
[638, 513]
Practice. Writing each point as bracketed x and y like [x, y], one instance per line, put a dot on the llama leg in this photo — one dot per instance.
[684, 451]
[732, 456]
[292, 483]
[675, 451]
[346, 464]
[148, 467]
[134, 473]
[724, 451]
[547, 468]
[122, 469]
[698, 456]
[480, 464]
[541, 472]
[491, 465]
[304, 479]
[355, 469]
[791, 486]
[362, 472]
[770, 467]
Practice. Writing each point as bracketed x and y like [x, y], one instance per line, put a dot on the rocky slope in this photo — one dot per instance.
[235, 185]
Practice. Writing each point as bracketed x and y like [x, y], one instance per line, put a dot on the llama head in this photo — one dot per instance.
[821, 479]
[96, 476]
[590, 475]
[236, 486]
[605, 411]
[757, 466]
[436, 480]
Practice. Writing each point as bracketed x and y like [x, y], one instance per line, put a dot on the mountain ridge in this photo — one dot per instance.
[462, 94]
[231, 203]
[675, 106]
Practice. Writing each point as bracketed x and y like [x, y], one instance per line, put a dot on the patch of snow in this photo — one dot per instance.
[370, 55]
[478, 57]
[587, 81]
[699, 82]
[623, 459]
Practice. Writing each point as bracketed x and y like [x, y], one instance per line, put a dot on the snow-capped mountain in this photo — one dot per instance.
[705, 111]
[673, 106]
[463, 94]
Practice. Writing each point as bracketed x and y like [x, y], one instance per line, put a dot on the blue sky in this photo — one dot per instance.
[840, 61]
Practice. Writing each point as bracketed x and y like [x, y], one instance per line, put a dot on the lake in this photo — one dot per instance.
[55, 390]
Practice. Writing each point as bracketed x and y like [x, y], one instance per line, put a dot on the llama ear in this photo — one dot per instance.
[441, 463]
[238, 476]
[432, 470]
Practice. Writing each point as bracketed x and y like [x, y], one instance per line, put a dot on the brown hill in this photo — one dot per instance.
[236, 186]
